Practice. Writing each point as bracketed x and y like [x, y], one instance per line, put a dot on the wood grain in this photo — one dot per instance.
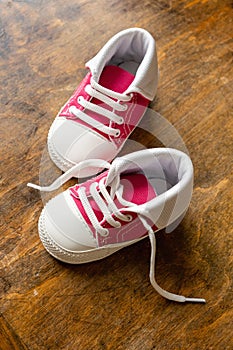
[110, 304]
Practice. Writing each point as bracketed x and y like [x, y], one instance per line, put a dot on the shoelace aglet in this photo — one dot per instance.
[36, 187]
[54, 186]
[161, 291]
[195, 300]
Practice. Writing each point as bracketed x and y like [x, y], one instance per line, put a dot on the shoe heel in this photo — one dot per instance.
[175, 223]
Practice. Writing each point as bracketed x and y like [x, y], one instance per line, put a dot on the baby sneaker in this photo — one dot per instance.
[139, 194]
[109, 103]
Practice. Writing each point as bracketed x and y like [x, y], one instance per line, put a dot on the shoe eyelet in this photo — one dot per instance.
[117, 133]
[129, 217]
[131, 96]
[72, 109]
[124, 107]
[121, 121]
[87, 87]
[105, 234]
[79, 99]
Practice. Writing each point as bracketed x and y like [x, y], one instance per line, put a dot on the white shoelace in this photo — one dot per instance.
[105, 201]
[106, 204]
[108, 97]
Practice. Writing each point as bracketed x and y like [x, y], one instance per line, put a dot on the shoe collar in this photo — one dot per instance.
[175, 165]
[131, 43]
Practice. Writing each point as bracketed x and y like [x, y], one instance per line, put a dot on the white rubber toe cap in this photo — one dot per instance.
[74, 142]
[65, 225]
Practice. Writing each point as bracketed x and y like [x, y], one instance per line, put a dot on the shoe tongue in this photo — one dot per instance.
[137, 189]
[116, 79]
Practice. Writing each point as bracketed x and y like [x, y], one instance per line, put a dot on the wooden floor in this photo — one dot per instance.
[110, 304]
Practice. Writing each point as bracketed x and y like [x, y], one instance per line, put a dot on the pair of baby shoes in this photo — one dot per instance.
[132, 196]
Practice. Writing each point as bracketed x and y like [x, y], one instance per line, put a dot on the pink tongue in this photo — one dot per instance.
[137, 189]
[115, 79]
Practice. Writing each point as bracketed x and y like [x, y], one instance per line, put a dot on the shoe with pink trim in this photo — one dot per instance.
[109, 103]
[138, 195]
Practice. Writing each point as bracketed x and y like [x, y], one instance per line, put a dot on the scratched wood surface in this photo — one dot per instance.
[110, 304]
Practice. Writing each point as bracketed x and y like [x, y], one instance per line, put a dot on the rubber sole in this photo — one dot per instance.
[73, 257]
[58, 160]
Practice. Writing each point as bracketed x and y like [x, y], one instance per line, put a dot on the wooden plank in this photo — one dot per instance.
[9, 339]
[110, 304]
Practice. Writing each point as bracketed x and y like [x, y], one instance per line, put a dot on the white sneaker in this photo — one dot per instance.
[109, 103]
[139, 194]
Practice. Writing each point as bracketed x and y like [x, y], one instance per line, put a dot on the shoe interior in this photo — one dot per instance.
[162, 172]
[131, 51]
[129, 66]
[160, 185]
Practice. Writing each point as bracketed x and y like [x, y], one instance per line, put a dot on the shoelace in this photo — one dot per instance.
[108, 97]
[105, 202]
